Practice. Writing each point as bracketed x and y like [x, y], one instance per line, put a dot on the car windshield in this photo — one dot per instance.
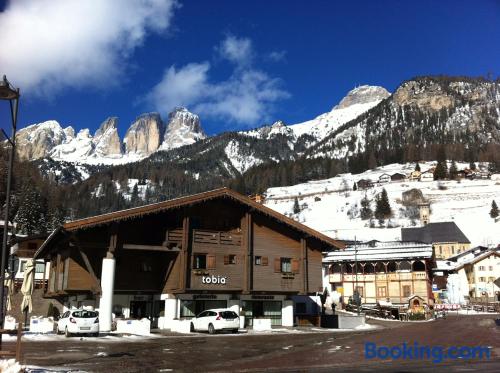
[228, 315]
[85, 314]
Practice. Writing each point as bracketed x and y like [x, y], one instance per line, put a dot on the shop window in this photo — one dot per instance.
[382, 291]
[300, 308]
[359, 290]
[229, 259]
[22, 266]
[406, 290]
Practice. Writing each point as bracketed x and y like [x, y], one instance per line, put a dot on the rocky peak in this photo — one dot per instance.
[363, 95]
[144, 135]
[37, 140]
[106, 139]
[426, 94]
[69, 132]
[183, 128]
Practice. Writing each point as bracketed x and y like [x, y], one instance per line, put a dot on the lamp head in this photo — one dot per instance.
[6, 90]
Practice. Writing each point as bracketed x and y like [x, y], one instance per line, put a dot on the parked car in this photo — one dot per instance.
[79, 321]
[215, 320]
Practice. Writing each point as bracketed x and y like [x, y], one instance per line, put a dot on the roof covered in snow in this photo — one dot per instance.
[376, 251]
[435, 232]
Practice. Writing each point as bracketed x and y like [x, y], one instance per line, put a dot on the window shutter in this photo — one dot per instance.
[264, 261]
[210, 261]
[277, 264]
[295, 266]
[226, 259]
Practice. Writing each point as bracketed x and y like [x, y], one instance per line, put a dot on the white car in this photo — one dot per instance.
[215, 320]
[79, 321]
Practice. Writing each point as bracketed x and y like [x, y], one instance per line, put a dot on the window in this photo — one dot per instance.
[286, 265]
[482, 279]
[490, 268]
[258, 260]
[440, 250]
[146, 267]
[481, 268]
[359, 290]
[200, 261]
[492, 279]
[382, 291]
[229, 259]
[453, 249]
[40, 267]
[406, 290]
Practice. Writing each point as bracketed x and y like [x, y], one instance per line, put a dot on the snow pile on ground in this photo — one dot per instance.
[10, 366]
[333, 208]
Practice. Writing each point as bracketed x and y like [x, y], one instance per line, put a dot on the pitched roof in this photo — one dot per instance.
[376, 251]
[478, 258]
[184, 201]
[435, 232]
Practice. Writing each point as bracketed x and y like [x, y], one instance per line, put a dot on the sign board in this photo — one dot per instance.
[215, 280]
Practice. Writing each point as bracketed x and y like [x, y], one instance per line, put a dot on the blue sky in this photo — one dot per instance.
[238, 64]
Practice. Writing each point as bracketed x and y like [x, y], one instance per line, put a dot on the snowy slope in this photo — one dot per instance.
[337, 213]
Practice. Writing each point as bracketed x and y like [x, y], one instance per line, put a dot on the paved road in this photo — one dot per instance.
[302, 352]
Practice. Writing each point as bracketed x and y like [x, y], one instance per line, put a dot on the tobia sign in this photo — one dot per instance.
[216, 280]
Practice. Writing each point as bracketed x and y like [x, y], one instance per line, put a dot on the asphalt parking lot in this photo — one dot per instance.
[300, 351]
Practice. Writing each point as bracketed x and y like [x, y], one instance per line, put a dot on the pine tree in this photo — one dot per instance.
[134, 198]
[441, 171]
[355, 187]
[417, 167]
[453, 170]
[494, 210]
[383, 209]
[31, 217]
[366, 211]
[296, 207]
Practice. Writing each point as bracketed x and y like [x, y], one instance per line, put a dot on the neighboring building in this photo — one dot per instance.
[481, 271]
[176, 258]
[424, 213]
[398, 177]
[384, 179]
[446, 238]
[365, 184]
[387, 271]
[24, 248]
[415, 175]
[427, 176]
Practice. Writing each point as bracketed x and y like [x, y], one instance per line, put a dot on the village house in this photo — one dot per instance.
[365, 184]
[174, 259]
[415, 176]
[446, 238]
[427, 176]
[398, 177]
[384, 179]
[386, 271]
[23, 249]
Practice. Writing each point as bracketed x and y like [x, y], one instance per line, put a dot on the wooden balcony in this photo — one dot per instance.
[205, 237]
[173, 237]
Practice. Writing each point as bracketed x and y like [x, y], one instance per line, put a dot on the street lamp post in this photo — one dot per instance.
[11, 94]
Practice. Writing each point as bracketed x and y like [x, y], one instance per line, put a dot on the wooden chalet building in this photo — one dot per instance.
[176, 258]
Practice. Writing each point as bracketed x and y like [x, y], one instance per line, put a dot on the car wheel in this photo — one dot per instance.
[235, 330]
[211, 329]
[95, 334]
[66, 333]
[191, 328]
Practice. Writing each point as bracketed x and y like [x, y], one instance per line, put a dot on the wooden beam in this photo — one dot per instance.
[90, 270]
[248, 250]
[185, 255]
[305, 266]
[130, 246]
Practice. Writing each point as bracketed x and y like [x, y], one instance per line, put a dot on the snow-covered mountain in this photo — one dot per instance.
[332, 207]
[145, 136]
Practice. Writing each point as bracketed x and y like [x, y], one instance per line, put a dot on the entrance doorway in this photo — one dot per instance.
[140, 309]
[254, 309]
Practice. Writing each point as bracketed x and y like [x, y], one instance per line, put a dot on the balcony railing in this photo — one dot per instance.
[216, 238]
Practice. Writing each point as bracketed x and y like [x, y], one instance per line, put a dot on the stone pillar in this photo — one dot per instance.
[107, 290]
[170, 313]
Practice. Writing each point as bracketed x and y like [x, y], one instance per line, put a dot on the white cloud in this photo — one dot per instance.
[246, 97]
[48, 45]
[277, 56]
[237, 50]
